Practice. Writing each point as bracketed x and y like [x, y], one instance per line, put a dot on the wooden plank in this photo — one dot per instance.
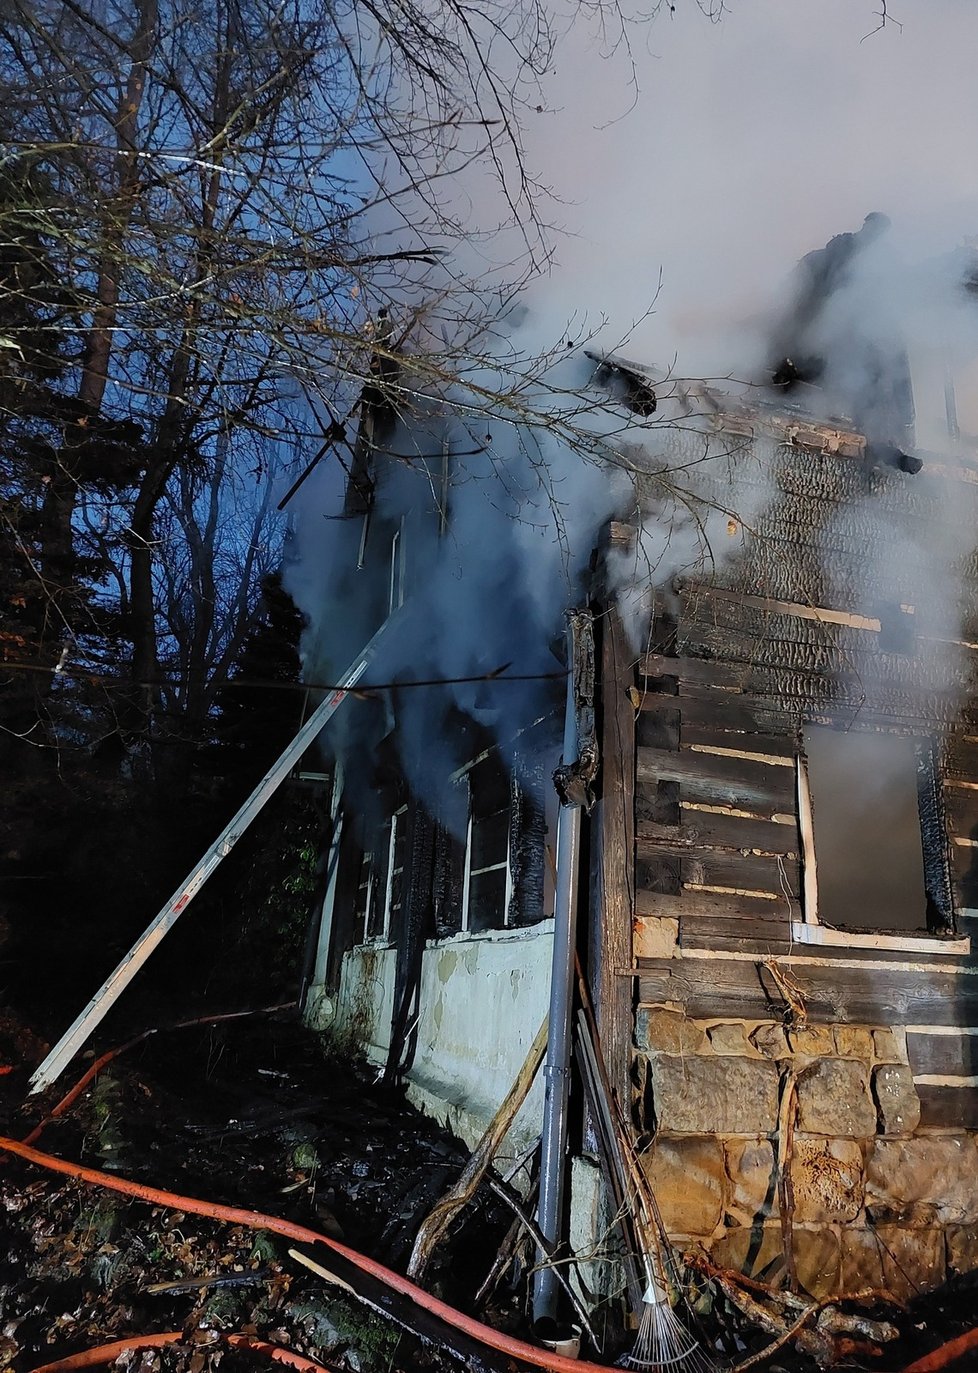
[703, 671]
[864, 994]
[794, 609]
[779, 745]
[943, 1054]
[707, 829]
[705, 867]
[753, 936]
[722, 988]
[613, 831]
[709, 905]
[961, 809]
[724, 712]
[760, 788]
[756, 934]
[961, 758]
[948, 1108]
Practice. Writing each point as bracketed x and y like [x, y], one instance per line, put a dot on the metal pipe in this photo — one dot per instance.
[553, 1141]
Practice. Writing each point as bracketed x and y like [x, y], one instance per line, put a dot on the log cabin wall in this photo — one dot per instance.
[811, 1094]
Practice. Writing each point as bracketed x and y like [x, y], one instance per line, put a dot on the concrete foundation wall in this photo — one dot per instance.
[876, 1201]
[482, 1000]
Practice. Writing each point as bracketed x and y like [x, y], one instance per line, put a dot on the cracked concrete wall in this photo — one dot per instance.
[482, 1000]
[878, 1201]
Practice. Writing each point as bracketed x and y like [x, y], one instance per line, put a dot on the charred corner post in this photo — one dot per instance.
[573, 780]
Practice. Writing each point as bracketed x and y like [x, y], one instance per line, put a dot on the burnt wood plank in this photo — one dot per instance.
[754, 936]
[779, 745]
[720, 988]
[961, 758]
[723, 711]
[956, 1055]
[948, 1107]
[713, 779]
[867, 995]
[613, 829]
[720, 907]
[707, 829]
[703, 671]
[961, 809]
[705, 867]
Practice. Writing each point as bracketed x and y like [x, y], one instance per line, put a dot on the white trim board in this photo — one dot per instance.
[804, 932]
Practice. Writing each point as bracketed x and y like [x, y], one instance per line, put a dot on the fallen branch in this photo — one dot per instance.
[946, 1354]
[464, 1189]
[256, 1220]
[828, 1342]
[108, 1353]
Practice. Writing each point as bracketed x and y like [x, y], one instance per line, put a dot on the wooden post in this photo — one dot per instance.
[613, 840]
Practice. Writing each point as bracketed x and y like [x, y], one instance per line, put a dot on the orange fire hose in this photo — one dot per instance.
[256, 1220]
[107, 1353]
[946, 1355]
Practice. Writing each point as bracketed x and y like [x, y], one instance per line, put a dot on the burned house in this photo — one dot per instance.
[777, 882]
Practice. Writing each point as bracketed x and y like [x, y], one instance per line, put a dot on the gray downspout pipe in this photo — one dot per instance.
[553, 1143]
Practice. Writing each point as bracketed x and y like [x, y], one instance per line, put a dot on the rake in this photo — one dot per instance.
[663, 1343]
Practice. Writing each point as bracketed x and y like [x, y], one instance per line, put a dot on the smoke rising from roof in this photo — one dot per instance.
[690, 170]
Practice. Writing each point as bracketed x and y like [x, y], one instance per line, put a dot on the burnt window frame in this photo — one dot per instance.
[526, 889]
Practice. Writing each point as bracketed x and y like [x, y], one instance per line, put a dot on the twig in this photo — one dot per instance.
[533, 1230]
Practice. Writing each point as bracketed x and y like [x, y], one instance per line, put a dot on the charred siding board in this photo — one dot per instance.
[948, 1108]
[954, 1055]
[866, 994]
[715, 779]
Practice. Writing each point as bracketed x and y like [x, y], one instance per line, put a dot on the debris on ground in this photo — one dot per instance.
[253, 1114]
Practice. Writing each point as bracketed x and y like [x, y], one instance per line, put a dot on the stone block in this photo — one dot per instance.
[833, 1099]
[730, 1038]
[818, 1260]
[655, 936]
[771, 1041]
[853, 1041]
[755, 1250]
[962, 1248]
[862, 1259]
[931, 1179]
[660, 1030]
[913, 1260]
[589, 1223]
[897, 1103]
[752, 1193]
[827, 1179]
[687, 1177]
[814, 1041]
[725, 1096]
[890, 1046]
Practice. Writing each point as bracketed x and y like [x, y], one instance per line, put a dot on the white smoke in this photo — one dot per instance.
[690, 169]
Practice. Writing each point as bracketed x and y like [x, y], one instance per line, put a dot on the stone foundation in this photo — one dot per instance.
[877, 1202]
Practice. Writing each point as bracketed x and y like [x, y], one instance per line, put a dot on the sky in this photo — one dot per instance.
[747, 142]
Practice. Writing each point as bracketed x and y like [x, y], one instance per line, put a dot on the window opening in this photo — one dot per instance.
[364, 894]
[488, 885]
[874, 857]
[394, 876]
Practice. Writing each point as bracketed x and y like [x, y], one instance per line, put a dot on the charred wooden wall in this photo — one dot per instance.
[827, 610]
